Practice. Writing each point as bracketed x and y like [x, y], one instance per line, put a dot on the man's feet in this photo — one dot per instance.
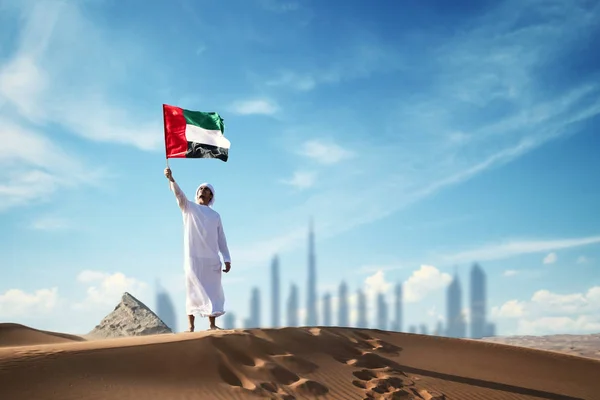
[214, 328]
[190, 329]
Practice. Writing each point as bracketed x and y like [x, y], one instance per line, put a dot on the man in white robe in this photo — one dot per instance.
[203, 239]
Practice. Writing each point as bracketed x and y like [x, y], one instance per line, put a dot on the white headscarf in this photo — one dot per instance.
[208, 185]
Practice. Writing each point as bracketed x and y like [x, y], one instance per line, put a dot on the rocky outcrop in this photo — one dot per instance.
[130, 317]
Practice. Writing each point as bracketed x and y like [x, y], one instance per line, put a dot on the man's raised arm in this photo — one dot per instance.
[182, 201]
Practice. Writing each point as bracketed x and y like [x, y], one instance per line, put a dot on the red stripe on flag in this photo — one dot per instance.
[175, 140]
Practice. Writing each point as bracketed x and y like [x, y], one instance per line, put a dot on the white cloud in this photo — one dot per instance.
[376, 284]
[510, 272]
[514, 248]
[105, 290]
[550, 258]
[17, 303]
[301, 180]
[255, 106]
[510, 309]
[422, 282]
[45, 309]
[324, 151]
[547, 312]
[559, 325]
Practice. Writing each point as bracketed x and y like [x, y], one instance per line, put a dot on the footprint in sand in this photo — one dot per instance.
[381, 385]
[310, 387]
[234, 379]
[265, 370]
[232, 353]
[297, 364]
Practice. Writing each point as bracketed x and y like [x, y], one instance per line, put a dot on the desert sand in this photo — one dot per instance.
[286, 363]
[579, 345]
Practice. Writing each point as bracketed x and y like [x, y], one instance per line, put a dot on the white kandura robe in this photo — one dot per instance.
[203, 239]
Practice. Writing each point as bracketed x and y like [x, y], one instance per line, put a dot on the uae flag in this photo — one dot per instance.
[194, 134]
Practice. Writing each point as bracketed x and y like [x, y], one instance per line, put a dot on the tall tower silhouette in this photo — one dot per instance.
[254, 320]
[478, 297]
[382, 312]
[362, 321]
[311, 297]
[292, 306]
[165, 308]
[455, 323]
[275, 292]
[397, 326]
[343, 312]
[327, 309]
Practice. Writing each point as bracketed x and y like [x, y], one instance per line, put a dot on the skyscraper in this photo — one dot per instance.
[478, 295]
[254, 319]
[165, 308]
[382, 312]
[311, 296]
[292, 306]
[343, 312]
[362, 321]
[397, 326]
[455, 323]
[327, 309]
[275, 292]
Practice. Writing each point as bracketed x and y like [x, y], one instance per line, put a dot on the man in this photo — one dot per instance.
[203, 239]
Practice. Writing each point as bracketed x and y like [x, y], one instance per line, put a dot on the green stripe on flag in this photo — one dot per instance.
[211, 121]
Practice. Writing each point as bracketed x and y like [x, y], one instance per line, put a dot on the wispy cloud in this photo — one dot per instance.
[582, 260]
[550, 258]
[301, 180]
[51, 223]
[46, 85]
[279, 6]
[254, 106]
[444, 136]
[324, 151]
[47, 81]
[510, 272]
[499, 251]
[363, 56]
[34, 167]
[293, 80]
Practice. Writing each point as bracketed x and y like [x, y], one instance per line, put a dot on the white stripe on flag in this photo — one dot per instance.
[196, 134]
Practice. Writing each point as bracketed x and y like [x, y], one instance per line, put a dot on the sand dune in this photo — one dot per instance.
[293, 363]
[20, 335]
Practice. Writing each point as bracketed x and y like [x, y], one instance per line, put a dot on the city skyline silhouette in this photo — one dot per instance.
[387, 315]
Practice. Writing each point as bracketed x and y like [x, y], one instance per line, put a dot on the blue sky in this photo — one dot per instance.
[420, 137]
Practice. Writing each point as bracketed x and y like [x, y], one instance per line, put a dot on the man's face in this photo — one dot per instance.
[205, 196]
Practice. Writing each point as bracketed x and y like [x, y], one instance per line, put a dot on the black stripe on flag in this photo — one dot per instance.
[201, 150]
